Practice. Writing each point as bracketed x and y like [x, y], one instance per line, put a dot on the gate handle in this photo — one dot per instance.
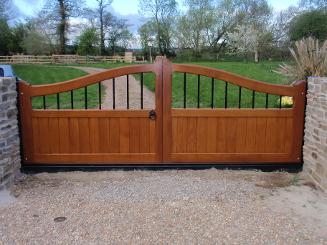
[152, 115]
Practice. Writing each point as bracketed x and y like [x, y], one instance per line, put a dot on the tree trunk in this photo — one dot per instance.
[62, 28]
[256, 55]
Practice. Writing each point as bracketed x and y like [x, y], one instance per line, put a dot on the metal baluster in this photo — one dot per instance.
[226, 84]
[85, 97]
[212, 91]
[253, 98]
[239, 96]
[184, 89]
[142, 81]
[127, 84]
[100, 100]
[113, 94]
[58, 102]
[198, 91]
[267, 100]
[280, 101]
[44, 104]
[72, 99]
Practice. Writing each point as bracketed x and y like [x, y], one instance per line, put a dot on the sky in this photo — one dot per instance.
[127, 9]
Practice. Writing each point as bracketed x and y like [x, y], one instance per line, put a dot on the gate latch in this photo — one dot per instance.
[152, 115]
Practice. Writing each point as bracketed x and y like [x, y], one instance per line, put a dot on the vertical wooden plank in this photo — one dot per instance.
[104, 135]
[144, 135]
[124, 135]
[44, 135]
[288, 135]
[201, 134]
[221, 134]
[35, 123]
[191, 132]
[251, 131]
[280, 135]
[94, 135]
[64, 145]
[272, 135]
[260, 137]
[74, 135]
[84, 135]
[182, 137]
[212, 135]
[26, 125]
[134, 134]
[241, 134]
[53, 140]
[231, 135]
[154, 138]
[165, 74]
[174, 134]
[114, 136]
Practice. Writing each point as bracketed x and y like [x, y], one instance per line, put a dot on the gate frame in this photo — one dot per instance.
[164, 69]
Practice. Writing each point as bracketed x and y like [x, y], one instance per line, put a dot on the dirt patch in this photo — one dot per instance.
[277, 180]
[146, 207]
[121, 92]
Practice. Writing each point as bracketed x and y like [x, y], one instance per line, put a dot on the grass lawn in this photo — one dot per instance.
[42, 74]
[45, 74]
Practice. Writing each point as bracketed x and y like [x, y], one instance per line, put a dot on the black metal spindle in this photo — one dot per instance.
[127, 84]
[113, 94]
[72, 99]
[184, 89]
[198, 91]
[253, 98]
[85, 97]
[142, 81]
[239, 96]
[100, 99]
[280, 101]
[58, 102]
[44, 105]
[212, 91]
[267, 100]
[226, 94]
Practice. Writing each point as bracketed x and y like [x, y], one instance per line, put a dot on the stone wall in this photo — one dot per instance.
[315, 139]
[9, 134]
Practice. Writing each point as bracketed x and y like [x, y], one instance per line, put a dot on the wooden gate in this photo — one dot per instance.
[240, 133]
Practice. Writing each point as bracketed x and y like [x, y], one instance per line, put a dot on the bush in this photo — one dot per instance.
[310, 60]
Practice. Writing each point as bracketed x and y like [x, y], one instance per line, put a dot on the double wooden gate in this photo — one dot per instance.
[68, 134]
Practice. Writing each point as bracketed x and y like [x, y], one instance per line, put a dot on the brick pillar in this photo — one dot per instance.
[315, 139]
[9, 134]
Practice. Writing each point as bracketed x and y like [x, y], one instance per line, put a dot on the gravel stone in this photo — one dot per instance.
[164, 207]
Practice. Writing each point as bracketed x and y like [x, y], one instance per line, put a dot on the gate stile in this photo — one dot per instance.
[165, 134]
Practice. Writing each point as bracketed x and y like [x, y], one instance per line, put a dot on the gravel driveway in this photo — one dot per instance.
[164, 207]
[121, 91]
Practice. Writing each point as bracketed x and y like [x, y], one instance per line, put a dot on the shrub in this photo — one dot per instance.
[310, 60]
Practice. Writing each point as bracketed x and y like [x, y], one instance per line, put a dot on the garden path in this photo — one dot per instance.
[121, 91]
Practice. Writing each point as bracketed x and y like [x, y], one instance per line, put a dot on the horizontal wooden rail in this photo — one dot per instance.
[39, 90]
[286, 90]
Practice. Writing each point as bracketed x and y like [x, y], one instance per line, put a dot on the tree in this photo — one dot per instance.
[5, 37]
[36, 44]
[58, 13]
[192, 27]
[313, 23]
[88, 42]
[102, 5]
[147, 35]
[116, 30]
[162, 14]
